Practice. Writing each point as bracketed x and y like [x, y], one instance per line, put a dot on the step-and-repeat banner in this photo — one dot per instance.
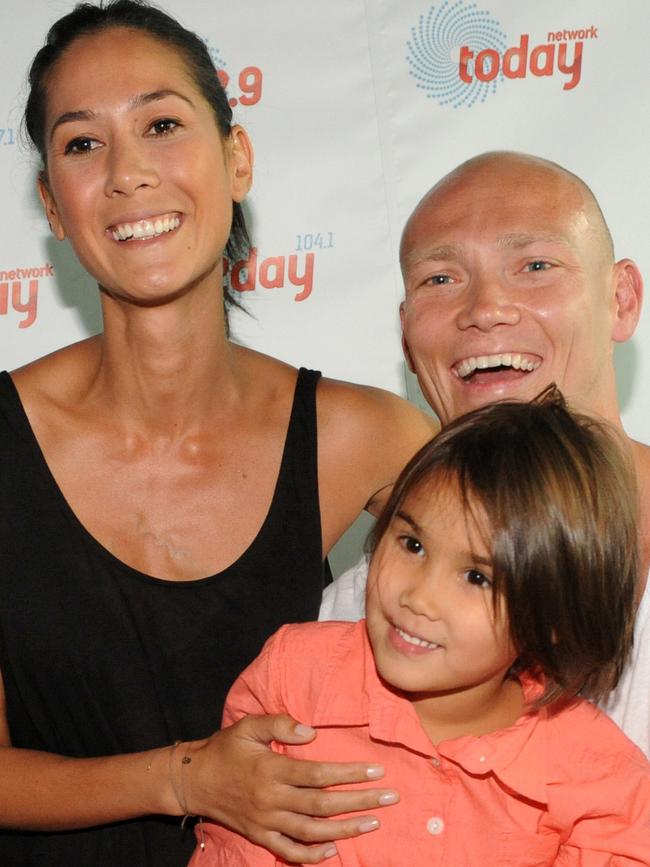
[356, 107]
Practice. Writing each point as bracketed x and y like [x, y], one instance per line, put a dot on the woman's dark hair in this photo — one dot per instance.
[559, 497]
[88, 18]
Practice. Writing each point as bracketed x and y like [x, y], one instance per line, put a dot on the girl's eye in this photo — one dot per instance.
[81, 146]
[478, 579]
[412, 545]
[164, 126]
[537, 265]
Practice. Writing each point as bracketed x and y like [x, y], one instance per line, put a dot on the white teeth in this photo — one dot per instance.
[412, 639]
[503, 359]
[145, 229]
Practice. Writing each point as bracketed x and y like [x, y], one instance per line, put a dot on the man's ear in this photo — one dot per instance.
[405, 346]
[628, 295]
[49, 206]
[241, 162]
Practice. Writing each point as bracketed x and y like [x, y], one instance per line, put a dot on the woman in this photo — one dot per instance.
[165, 506]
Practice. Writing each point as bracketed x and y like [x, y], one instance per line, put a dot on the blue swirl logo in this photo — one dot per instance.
[435, 48]
[217, 59]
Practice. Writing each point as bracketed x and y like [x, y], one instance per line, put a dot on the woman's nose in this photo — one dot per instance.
[128, 169]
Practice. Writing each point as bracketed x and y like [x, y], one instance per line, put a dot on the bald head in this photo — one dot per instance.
[525, 177]
[510, 285]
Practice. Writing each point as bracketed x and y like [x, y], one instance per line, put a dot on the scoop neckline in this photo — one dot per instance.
[102, 550]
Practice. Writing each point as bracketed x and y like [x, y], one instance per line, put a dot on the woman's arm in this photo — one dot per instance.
[288, 677]
[236, 779]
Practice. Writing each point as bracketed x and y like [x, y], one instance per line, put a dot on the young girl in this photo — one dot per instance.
[501, 586]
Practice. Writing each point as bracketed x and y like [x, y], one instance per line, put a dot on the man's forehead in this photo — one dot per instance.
[427, 249]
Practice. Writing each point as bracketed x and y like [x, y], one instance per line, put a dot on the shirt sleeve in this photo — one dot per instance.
[256, 691]
[614, 830]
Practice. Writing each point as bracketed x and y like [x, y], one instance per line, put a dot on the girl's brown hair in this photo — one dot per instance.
[560, 499]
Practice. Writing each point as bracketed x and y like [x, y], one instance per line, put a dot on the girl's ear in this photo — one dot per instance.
[241, 162]
[49, 206]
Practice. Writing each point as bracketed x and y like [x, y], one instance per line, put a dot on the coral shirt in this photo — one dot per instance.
[563, 788]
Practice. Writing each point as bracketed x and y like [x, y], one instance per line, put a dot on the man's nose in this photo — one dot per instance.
[488, 303]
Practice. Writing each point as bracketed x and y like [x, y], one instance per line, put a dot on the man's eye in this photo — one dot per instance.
[478, 579]
[411, 544]
[537, 265]
[81, 146]
[439, 280]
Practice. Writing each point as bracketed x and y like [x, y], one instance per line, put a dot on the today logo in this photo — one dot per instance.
[273, 273]
[515, 62]
[19, 291]
[458, 54]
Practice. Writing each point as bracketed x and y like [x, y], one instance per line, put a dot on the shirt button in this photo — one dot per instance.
[435, 762]
[435, 825]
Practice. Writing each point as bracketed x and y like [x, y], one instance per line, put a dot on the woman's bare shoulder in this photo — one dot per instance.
[368, 434]
[370, 409]
[54, 378]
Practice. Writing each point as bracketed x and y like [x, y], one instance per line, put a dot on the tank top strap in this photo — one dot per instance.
[300, 445]
[296, 501]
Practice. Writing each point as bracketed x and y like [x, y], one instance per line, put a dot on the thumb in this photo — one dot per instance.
[281, 728]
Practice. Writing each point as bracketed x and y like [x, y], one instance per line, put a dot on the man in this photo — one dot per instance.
[511, 284]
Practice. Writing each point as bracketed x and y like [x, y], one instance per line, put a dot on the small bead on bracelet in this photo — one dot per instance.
[178, 788]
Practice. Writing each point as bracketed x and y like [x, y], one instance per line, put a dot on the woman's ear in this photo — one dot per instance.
[241, 162]
[49, 206]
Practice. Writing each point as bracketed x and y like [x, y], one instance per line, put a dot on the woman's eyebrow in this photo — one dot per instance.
[155, 95]
[135, 102]
[71, 117]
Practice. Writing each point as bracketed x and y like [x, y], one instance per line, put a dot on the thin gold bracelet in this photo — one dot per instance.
[179, 790]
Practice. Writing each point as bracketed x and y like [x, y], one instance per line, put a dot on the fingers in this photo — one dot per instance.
[317, 775]
[292, 786]
[296, 853]
[282, 803]
[323, 804]
[299, 832]
[280, 727]
[305, 829]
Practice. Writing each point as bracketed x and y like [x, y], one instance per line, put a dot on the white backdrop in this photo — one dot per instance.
[355, 108]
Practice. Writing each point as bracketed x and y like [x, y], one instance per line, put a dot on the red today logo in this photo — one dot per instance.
[272, 273]
[515, 62]
[21, 301]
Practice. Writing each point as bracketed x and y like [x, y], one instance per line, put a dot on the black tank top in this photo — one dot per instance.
[100, 659]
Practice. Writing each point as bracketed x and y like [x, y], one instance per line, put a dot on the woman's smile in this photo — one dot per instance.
[146, 228]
